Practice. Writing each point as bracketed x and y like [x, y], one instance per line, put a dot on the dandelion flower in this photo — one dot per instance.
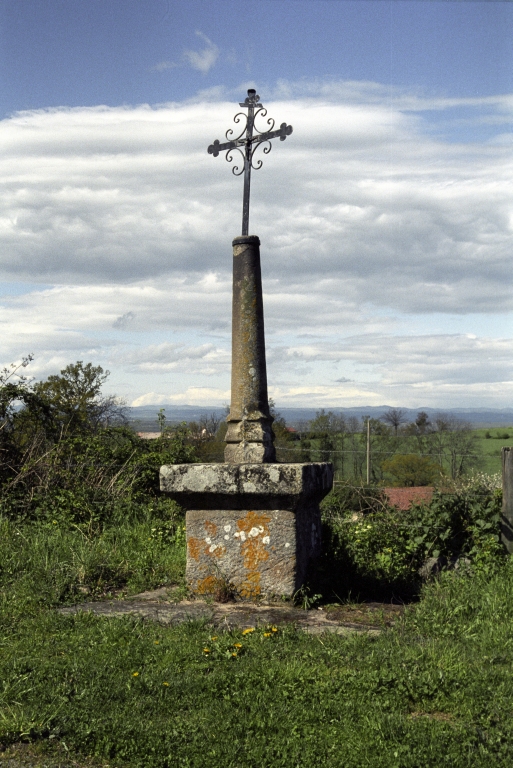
[274, 629]
[135, 674]
[206, 650]
[234, 654]
[156, 642]
[166, 684]
[237, 645]
[267, 634]
[213, 638]
[247, 631]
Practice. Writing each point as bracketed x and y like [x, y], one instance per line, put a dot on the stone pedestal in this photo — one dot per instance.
[251, 527]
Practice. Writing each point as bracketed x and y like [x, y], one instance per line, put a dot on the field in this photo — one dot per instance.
[490, 448]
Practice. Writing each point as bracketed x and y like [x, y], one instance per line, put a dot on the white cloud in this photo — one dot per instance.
[364, 215]
[162, 66]
[191, 396]
[205, 59]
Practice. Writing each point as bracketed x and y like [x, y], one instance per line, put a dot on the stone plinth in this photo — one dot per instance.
[254, 527]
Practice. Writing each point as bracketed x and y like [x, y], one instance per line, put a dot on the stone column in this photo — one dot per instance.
[507, 499]
[249, 436]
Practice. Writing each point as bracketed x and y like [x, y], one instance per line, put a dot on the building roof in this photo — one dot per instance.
[403, 498]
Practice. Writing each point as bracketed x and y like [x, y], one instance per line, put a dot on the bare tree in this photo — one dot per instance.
[395, 417]
[454, 444]
[209, 425]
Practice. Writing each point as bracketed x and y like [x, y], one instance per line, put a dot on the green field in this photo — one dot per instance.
[490, 448]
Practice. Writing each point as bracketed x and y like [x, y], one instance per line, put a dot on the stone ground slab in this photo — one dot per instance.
[156, 605]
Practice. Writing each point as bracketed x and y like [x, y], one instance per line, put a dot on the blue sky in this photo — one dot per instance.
[83, 53]
[385, 219]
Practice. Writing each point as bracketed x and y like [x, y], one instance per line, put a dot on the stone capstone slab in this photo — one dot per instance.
[252, 529]
[246, 486]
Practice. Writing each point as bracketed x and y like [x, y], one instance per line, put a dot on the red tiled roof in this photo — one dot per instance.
[403, 498]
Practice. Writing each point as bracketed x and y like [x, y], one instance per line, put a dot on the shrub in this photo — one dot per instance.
[375, 547]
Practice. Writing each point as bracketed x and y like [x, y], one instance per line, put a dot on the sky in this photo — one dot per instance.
[385, 219]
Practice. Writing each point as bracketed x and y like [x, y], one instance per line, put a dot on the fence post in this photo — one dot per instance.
[507, 499]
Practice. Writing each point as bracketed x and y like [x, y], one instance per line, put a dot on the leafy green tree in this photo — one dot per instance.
[409, 470]
[75, 400]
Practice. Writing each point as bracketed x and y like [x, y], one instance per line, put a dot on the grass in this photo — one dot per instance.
[48, 565]
[490, 448]
[435, 689]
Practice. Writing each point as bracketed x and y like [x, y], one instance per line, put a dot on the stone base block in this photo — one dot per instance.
[252, 528]
[251, 552]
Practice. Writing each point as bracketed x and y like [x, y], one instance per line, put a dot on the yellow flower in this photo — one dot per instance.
[213, 638]
[156, 642]
[267, 634]
[274, 629]
[237, 645]
[167, 684]
[206, 650]
[247, 631]
[135, 674]
[234, 654]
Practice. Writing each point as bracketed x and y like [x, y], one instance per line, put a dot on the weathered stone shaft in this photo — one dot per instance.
[249, 436]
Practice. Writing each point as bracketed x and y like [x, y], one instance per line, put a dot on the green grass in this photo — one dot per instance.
[46, 565]
[490, 448]
[434, 690]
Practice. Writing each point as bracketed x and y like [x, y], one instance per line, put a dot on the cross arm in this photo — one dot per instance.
[216, 147]
[283, 131]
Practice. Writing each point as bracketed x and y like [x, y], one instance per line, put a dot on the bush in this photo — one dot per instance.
[410, 470]
[372, 548]
[85, 479]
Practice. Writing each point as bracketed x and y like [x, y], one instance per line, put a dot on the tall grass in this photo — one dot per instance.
[47, 565]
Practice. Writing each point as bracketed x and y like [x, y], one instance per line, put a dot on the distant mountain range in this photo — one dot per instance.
[144, 417]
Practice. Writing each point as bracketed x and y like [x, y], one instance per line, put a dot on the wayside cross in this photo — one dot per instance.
[248, 140]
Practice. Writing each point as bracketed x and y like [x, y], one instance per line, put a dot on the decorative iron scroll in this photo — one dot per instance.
[247, 141]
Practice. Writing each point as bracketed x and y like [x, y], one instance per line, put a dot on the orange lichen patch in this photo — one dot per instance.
[254, 552]
[219, 551]
[211, 528]
[250, 588]
[255, 526]
[195, 547]
[207, 585]
[254, 520]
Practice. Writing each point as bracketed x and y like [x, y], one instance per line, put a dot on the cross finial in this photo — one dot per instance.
[247, 142]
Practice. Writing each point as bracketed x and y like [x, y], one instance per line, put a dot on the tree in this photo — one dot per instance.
[329, 429]
[394, 417]
[422, 423]
[75, 400]
[454, 444]
[409, 470]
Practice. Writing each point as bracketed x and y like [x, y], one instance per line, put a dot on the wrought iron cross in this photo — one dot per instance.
[250, 139]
